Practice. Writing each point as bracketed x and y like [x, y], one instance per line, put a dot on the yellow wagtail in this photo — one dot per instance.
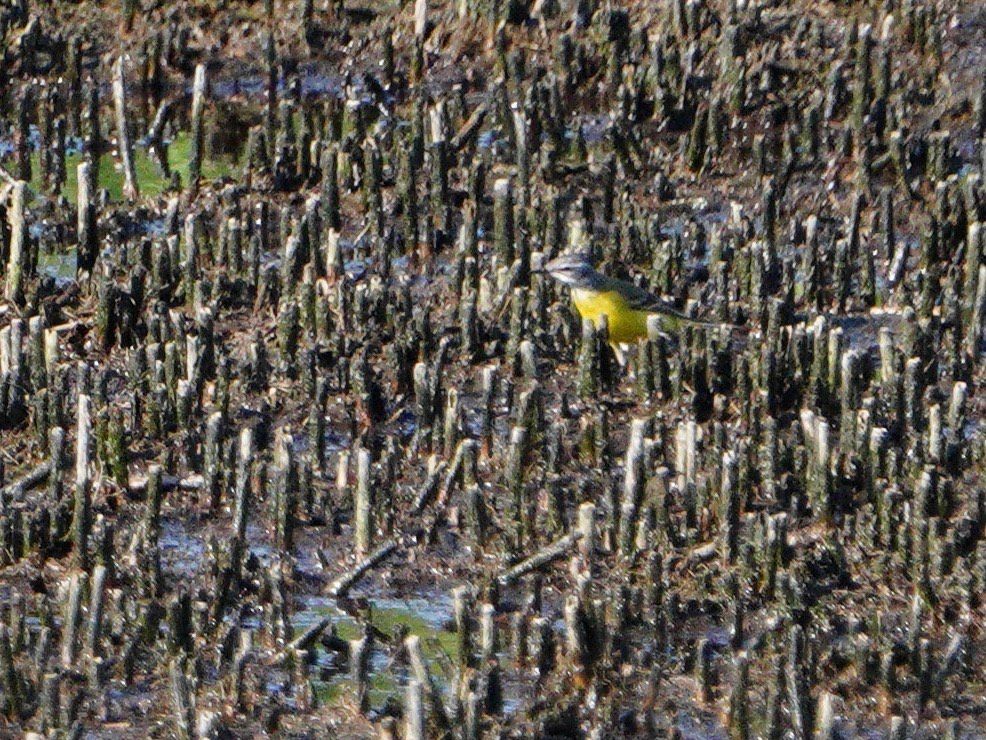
[625, 306]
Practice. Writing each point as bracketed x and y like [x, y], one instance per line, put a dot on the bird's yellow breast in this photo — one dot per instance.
[626, 325]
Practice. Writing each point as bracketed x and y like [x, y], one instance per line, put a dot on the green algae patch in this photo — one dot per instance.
[391, 620]
[150, 177]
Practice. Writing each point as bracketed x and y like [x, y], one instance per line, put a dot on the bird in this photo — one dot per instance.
[625, 306]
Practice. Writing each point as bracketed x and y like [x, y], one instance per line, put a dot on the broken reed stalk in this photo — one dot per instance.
[198, 132]
[17, 249]
[131, 188]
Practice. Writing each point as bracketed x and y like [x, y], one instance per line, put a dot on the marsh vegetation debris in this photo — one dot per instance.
[295, 440]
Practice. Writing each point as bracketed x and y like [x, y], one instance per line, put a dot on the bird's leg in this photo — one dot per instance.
[620, 354]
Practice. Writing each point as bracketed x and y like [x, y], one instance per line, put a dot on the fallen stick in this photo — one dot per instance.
[67, 326]
[34, 478]
[545, 556]
[429, 489]
[702, 553]
[39, 474]
[303, 642]
[343, 583]
[168, 483]
[470, 128]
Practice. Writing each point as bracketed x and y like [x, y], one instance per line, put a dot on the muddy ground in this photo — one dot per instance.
[873, 624]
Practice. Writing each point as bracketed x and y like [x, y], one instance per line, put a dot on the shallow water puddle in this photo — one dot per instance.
[420, 616]
[59, 265]
[181, 552]
[313, 81]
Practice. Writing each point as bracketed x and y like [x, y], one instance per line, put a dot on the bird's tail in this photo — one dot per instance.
[677, 318]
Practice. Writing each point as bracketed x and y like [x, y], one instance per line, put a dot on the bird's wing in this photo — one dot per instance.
[643, 300]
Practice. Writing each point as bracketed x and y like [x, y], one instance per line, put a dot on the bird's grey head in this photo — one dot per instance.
[574, 270]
